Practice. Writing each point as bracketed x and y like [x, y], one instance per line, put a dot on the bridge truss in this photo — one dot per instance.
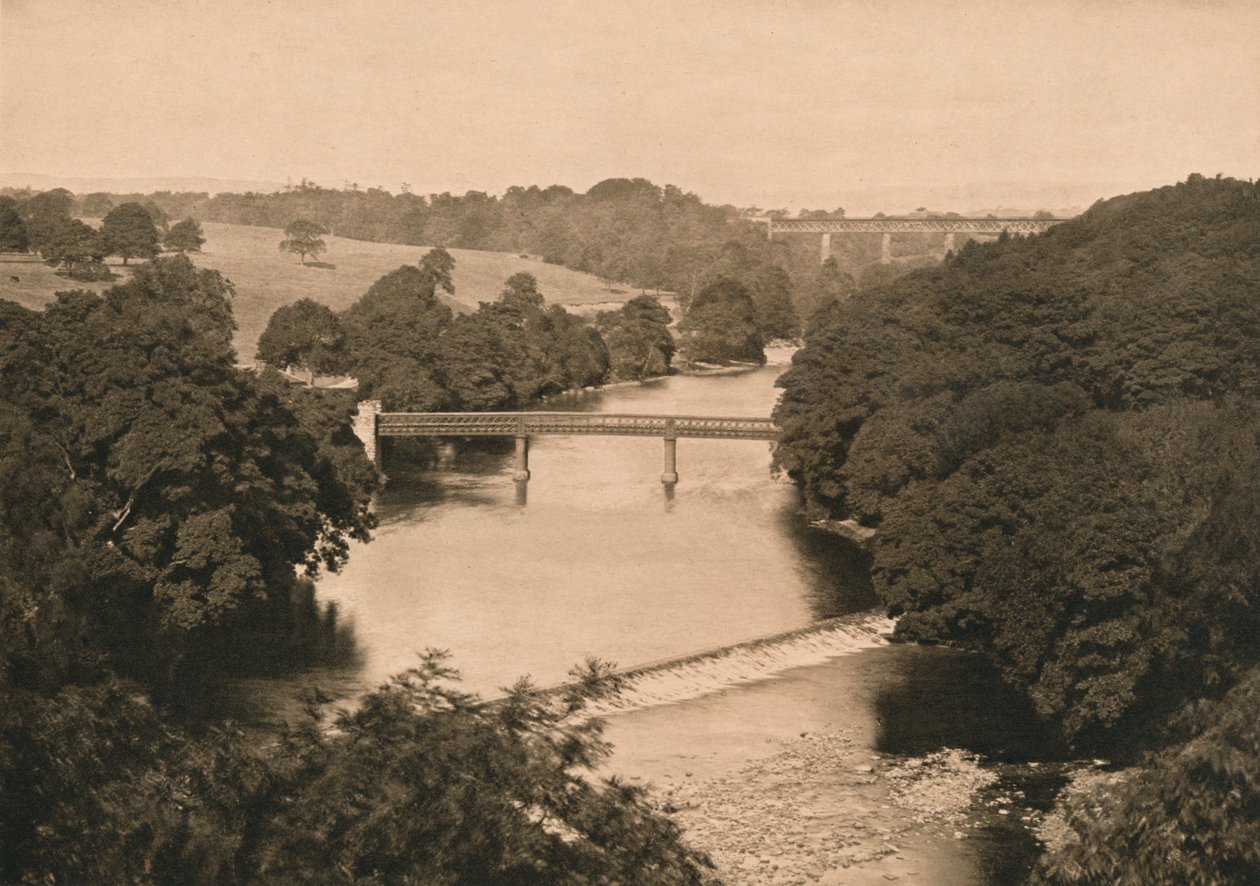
[371, 424]
[533, 424]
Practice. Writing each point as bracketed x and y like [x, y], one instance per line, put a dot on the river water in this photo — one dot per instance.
[600, 560]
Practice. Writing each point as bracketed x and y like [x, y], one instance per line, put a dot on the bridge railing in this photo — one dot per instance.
[911, 225]
[530, 424]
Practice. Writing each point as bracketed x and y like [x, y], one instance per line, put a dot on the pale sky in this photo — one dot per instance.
[856, 103]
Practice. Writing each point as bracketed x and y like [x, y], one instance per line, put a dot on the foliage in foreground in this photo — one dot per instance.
[420, 784]
[1189, 815]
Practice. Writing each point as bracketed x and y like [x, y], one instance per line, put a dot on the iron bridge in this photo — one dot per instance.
[533, 424]
[909, 225]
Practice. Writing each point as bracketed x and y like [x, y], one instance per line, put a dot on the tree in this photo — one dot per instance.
[638, 338]
[74, 245]
[303, 238]
[184, 236]
[43, 214]
[721, 325]
[128, 230]
[439, 265]
[305, 333]
[771, 291]
[1059, 454]
[13, 237]
[95, 205]
[392, 335]
[186, 492]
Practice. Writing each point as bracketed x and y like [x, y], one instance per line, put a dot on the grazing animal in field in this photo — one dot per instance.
[13, 279]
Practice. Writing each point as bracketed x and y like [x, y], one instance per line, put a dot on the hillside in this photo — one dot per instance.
[266, 278]
[1057, 439]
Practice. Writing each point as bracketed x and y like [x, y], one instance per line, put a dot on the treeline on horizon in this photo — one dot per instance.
[627, 230]
[1057, 439]
[161, 512]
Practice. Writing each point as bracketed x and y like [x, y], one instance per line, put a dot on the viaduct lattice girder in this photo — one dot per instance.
[910, 225]
[533, 424]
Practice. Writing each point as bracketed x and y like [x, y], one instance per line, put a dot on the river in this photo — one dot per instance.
[601, 560]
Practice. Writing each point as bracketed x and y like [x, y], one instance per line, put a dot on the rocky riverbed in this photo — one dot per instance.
[780, 783]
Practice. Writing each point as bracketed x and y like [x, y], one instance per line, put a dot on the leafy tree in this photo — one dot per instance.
[184, 236]
[13, 237]
[438, 264]
[1186, 815]
[771, 291]
[392, 336]
[73, 244]
[128, 230]
[302, 238]
[721, 325]
[1055, 439]
[305, 333]
[186, 494]
[420, 784]
[638, 338]
[95, 205]
[828, 286]
[157, 215]
[44, 214]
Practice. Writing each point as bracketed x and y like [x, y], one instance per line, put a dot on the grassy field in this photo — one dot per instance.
[266, 278]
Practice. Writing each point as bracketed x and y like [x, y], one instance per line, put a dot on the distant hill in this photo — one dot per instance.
[80, 185]
[266, 278]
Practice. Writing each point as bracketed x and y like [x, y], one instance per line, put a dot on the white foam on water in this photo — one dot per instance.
[685, 678]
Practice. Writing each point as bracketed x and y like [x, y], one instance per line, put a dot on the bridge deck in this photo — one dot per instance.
[532, 424]
[910, 225]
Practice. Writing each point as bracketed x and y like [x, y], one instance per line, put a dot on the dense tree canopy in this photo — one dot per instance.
[180, 493]
[154, 503]
[721, 325]
[184, 236]
[1056, 439]
[409, 351]
[129, 231]
[305, 334]
[392, 337]
[638, 338]
[13, 236]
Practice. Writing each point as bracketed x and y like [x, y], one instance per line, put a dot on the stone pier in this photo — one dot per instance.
[824, 251]
[364, 425]
[669, 475]
[885, 249]
[521, 472]
[949, 242]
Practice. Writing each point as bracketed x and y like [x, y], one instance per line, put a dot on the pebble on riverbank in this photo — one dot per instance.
[825, 805]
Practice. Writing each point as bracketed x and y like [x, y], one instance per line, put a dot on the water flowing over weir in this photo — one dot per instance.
[600, 562]
[691, 676]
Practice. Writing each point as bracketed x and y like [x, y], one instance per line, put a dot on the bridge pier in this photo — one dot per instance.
[949, 242]
[364, 423]
[885, 249]
[521, 474]
[669, 475]
[824, 252]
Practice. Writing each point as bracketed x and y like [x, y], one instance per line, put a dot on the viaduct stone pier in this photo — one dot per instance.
[370, 424]
[889, 226]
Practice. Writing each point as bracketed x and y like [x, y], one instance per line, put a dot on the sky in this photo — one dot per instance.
[862, 104]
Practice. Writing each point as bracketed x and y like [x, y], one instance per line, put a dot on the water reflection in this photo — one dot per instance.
[605, 560]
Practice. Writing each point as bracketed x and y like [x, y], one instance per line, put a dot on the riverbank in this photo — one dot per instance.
[792, 779]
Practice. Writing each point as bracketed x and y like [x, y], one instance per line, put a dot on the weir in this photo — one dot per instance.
[684, 677]
[370, 424]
